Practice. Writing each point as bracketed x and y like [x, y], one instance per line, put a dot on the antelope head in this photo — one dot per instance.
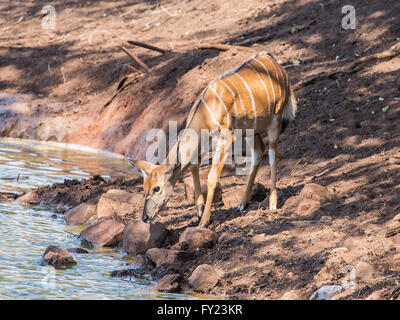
[158, 185]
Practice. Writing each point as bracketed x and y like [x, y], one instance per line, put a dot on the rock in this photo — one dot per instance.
[169, 283]
[203, 278]
[307, 206]
[189, 188]
[57, 256]
[80, 214]
[326, 292]
[138, 236]
[325, 220]
[258, 192]
[197, 237]
[118, 203]
[311, 198]
[77, 250]
[28, 198]
[364, 272]
[161, 256]
[106, 232]
[139, 262]
[291, 295]
[333, 270]
[160, 271]
[7, 196]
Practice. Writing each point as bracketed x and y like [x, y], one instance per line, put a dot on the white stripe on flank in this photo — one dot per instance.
[276, 73]
[210, 112]
[251, 96]
[262, 81]
[223, 103]
[269, 77]
[233, 96]
[240, 97]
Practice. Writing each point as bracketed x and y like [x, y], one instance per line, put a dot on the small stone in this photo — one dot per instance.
[138, 236]
[311, 198]
[118, 203]
[80, 214]
[203, 278]
[326, 220]
[161, 256]
[139, 262]
[333, 270]
[57, 256]
[28, 198]
[290, 295]
[326, 292]
[169, 283]
[197, 237]
[106, 232]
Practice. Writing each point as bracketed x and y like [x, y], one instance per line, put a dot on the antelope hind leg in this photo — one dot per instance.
[257, 152]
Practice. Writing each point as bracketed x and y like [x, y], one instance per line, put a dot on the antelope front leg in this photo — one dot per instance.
[214, 175]
[198, 196]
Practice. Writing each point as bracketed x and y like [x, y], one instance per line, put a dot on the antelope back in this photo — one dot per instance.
[249, 94]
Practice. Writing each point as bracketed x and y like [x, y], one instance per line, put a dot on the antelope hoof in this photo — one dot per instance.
[200, 210]
[272, 207]
[242, 207]
[204, 224]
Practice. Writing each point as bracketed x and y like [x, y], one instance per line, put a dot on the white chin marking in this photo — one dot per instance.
[271, 156]
[272, 207]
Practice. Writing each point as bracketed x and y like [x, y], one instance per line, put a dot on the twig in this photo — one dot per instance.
[133, 69]
[136, 59]
[218, 46]
[147, 46]
[392, 232]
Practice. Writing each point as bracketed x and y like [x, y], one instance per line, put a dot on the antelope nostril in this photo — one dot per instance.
[145, 218]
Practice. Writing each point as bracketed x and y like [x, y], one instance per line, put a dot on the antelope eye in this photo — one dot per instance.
[156, 189]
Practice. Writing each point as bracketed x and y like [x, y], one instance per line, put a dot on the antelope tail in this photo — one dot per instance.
[289, 112]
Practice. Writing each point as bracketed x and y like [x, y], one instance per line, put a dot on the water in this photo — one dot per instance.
[25, 232]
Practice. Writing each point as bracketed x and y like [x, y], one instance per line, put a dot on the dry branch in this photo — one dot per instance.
[133, 69]
[218, 46]
[136, 59]
[392, 52]
[147, 46]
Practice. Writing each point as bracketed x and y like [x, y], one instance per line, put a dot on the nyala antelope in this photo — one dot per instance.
[257, 95]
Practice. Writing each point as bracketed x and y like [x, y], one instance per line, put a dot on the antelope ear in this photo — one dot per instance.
[142, 167]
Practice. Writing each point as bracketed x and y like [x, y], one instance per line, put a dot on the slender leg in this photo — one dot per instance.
[215, 173]
[198, 196]
[257, 152]
[273, 155]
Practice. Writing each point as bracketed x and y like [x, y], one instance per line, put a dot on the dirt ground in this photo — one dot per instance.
[346, 136]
